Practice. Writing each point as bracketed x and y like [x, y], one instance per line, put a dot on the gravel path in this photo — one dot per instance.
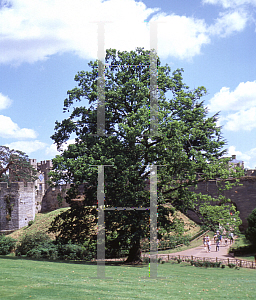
[201, 251]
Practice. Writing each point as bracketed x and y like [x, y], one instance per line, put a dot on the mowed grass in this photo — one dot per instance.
[30, 279]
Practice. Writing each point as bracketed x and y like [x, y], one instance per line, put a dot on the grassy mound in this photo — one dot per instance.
[41, 223]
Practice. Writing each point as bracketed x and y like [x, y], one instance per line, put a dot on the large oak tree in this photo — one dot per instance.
[186, 144]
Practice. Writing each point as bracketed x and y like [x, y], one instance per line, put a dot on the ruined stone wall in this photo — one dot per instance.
[54, 198]
[243, 197]
[17, 205]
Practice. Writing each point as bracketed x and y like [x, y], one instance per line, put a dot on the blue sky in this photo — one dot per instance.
[44, 43]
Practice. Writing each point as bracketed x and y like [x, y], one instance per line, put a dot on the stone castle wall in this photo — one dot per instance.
[54, 198]
[243, 197]
[17, 205]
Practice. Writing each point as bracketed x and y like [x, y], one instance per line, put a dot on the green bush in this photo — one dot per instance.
[47, 250]
[231, 266]
[223, 266]
[206, 264]
[72, 252]
[145, 260]
[30, 223]
[7, 244]
[250, 233]
[31, 241]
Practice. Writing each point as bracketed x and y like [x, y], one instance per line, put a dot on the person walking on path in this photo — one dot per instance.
[217, 246]
[231, 237]
[204, 242]
[209, 245]
[215, 237]
[220, 237]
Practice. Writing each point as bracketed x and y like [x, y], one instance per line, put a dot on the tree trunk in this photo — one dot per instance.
[134, 255]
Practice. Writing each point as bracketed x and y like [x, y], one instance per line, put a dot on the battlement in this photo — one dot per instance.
[17, 185]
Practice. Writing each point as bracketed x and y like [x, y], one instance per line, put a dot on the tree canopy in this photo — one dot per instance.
[15, 166]
[187, 145]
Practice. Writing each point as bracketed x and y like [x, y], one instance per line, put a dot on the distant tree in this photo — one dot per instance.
[250, 233]
[186, 143]
[15, 166]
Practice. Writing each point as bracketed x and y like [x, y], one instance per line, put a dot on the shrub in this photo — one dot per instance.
[30, 223]
[206, 264]
[231, 265]
[31, 241]
[7, 244]
[145, 260]
[72, 252]
[223, 266]
[47, 250]
[250, 233]
[159, 260]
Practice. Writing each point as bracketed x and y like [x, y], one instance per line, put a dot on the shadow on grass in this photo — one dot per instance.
[107, 263]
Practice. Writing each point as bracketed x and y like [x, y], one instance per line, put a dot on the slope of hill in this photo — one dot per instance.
[41, 224]
[43, 220]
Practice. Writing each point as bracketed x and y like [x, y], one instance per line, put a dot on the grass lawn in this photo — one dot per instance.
[246, 257]
[29, 279]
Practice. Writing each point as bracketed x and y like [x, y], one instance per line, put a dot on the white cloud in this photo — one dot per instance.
[249, 157]
[5, 101]
[27, 146]
[243, 97]
[52, 150]
[242, 120]
[180, 36]
[229, 3]
[33, 30]
[239, 106]
[229, 23]
[9, 129]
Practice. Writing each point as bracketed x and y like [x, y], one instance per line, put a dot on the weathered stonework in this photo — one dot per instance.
[17, 205]
[54, 198]
[243, 197]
